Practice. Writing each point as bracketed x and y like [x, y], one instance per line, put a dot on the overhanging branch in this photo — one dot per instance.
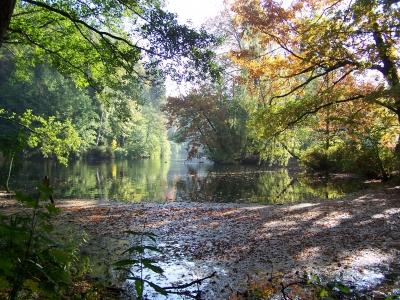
[310, 112]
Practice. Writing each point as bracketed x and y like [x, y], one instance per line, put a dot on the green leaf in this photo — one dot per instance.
[343, 288]
[4, 283]
[148, 265]
[6, 266]
[48, 288]
[125, 262]
[62, 275]
[32, 285]
[338, 285]
[45, 189]
[139, 287]
[51, 208]
[157, 288]
[46, 227]
[313, 278]
[61, 256]
[322, 293]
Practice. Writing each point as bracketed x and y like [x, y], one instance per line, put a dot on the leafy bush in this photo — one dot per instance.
[376, 161]
[315, 158]
[100, 152]
[368, 159]
[31, 262]
[120, 153]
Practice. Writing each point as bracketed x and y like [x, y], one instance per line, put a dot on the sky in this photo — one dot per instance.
[196, 10]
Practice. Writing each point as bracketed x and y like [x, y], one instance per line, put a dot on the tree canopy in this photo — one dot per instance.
[316, 54]
[100, 42]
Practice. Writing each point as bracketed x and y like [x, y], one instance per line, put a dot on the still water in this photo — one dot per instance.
[172, 179]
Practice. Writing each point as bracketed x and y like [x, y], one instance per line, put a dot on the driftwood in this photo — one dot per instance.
[175, 289]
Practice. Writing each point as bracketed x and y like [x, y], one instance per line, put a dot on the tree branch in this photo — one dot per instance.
[303, 115]
[91, 28]
[19, 124]
[183, 286]
[311, 78]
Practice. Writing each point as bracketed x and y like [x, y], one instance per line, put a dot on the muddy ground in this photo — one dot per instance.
[354, 238]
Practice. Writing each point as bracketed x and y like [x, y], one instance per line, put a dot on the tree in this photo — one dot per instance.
[209, 119]
[319, 54]
[100, 42]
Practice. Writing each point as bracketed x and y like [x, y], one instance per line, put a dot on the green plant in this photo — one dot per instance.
[315, 158]
[369, 159]
[31, 262]
[139, 263]
[99, 153]
[120, 153]
[331, 290]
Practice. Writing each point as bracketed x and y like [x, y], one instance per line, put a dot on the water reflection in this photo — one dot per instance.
[163, 180]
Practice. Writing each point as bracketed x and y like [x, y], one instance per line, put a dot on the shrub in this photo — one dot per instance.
[120, 153]
[368, 159]
[31, 262]
[315, 158]
[99, 153]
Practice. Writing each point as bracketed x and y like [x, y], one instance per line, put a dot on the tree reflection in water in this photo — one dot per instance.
[160, 180]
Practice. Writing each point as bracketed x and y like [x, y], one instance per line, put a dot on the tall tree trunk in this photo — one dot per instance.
[397, 148]
[6, 11]
[99, 130]
[9, 172]
[389, 70]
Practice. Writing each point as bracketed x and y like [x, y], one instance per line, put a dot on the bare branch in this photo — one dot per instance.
[183, 286]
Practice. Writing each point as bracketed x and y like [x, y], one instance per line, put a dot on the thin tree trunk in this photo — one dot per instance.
[99, 130]
[9, 172]
[6, 11]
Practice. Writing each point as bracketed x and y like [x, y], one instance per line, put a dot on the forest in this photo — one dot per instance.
[263, 83]
[258, 92]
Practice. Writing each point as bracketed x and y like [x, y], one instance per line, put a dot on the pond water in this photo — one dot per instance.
[174, 179]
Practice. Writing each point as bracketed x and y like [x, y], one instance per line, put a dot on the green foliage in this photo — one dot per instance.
[331, 290]
[112, 117]
[211, 122]
[31, 261]
[99, 153]
[369, 159]
[315, 158]
[50, 136]
[96, 43]
[48, 94]
[139, 263]
[120, 153]
[148, 136]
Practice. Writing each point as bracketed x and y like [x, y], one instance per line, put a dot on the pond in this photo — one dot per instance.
[175, 179]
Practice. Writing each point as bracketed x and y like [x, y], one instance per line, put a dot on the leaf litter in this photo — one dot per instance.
[355, 237]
